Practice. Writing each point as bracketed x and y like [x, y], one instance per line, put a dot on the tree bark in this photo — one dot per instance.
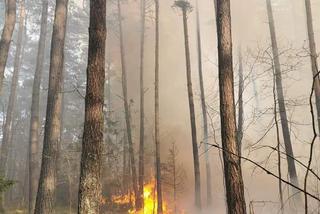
[192, 113]
[46, 187]
[92, 144]
[204, 109]
[126, 106]
[7, 130]
[6, 36]
[232, 168]
[313, 57]
[140, 203]
[156, 108]
[282, 108]
[35, 111]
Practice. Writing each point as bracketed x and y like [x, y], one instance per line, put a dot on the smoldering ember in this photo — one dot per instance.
[159, 107]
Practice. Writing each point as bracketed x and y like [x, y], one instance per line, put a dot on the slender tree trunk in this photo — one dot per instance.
[278, 143]
[140, 203]
[46, 188]
[11, 169]
[69, 176]
[313, 57]
[174, 181]
[7, 130]
[192, 114]
[10, 21]
[232, 167]
[282, 108]
[156, 109]
[92, 144]
[240, 104]
[126, 106]
[204, 110]
[35, 104]
[124, 164]
[25, 185]
[109, 102]
[254, 88]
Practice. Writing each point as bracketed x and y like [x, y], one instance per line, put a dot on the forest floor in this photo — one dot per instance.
[24, 211]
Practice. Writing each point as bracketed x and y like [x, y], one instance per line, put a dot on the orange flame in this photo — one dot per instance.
[149, 199]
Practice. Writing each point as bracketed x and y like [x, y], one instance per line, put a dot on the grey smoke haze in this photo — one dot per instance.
[250, 30]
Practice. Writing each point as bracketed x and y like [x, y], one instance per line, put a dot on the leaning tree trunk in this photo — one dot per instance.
[140, 203]
[35, 106]
[126, 106]
[313, 57]
[282, 108]
[275, 112]
[46, 188]
[5, 146]
[92, 143]
[10, 21]
[232, 167]
[156, 110]
[204, 110]
[192, 113]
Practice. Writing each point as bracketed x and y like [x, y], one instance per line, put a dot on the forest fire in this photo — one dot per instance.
[149, 198]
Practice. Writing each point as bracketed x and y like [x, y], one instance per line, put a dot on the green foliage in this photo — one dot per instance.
[5, 184]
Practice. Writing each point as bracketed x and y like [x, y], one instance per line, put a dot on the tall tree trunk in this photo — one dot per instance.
[124, 164]
[69, 177]
[6, 142]
[11, 168]
[313, 57]
[46, 187]
[25, 185]
[240, 104]
[140, 203]
[204, 110]
[232, 167]
[196, 162]
[282, 108]
[35, 105]
[109, 101]
[92, 143]
[126, 106]
[58, 172]
[174, 179]
[10, 21]
[156, 110]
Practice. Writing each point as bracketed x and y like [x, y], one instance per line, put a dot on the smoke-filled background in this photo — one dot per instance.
[251, 37]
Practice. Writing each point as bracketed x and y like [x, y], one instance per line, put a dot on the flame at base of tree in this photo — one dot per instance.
[149, 199]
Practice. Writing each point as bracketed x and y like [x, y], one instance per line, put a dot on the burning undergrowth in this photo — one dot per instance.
[125, 203]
